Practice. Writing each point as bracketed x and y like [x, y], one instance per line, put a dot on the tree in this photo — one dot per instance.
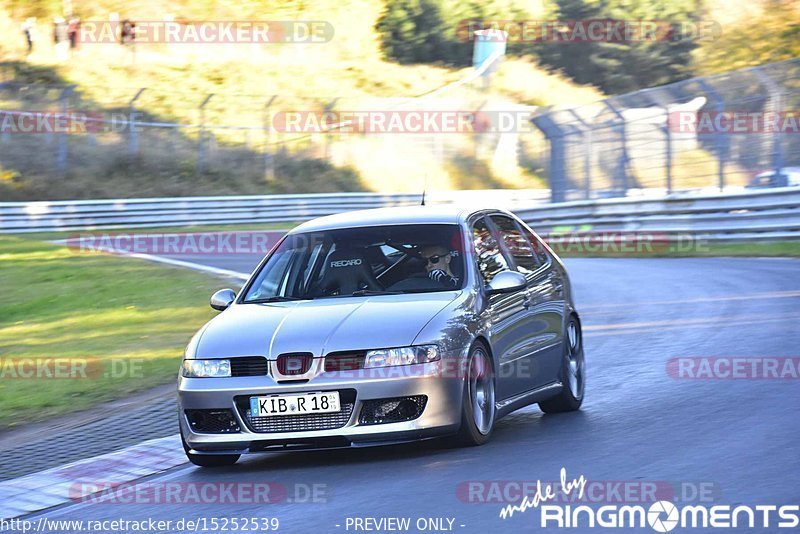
[428, 31]
[619, 67]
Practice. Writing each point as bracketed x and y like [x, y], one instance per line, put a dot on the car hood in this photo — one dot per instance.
[320, 326]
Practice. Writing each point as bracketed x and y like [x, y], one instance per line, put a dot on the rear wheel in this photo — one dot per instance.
[209, 460]
[572, 373]
[477, 408]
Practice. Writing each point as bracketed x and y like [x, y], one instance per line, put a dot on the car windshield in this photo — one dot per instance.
[415, 258]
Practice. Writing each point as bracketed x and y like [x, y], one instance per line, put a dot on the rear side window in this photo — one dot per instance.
[487, 251]
[538, 247]
[517, 244]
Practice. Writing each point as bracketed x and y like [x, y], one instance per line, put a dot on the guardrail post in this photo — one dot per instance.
[133, 133]
[201, 142]
[62, 152]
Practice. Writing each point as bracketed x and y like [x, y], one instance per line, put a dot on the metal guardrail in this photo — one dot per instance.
[24, 217]
[763, 214]
[750, 215]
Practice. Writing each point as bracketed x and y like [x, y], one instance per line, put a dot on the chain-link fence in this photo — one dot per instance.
[248, 139]
[664, 139]
[716, 131]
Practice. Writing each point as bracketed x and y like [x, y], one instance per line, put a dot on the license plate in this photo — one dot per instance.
[294, 404]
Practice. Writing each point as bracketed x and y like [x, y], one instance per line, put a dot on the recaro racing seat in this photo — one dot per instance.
[346, 271]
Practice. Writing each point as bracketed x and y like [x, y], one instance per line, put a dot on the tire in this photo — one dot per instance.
[477, 406]
[209, 460]
[573, 373]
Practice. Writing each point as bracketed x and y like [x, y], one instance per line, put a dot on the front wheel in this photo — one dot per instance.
[477, 407]
[572, 373]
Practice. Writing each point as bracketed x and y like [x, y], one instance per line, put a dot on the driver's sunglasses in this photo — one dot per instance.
[433, 259]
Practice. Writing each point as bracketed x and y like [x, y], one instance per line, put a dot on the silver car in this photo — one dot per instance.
[383, 326]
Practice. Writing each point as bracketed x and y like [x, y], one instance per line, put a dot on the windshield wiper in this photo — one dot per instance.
[275, 299]
[370, 292]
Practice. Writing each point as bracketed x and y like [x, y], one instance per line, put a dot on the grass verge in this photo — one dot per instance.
[130, 318]
[689, 250]
[247, 227]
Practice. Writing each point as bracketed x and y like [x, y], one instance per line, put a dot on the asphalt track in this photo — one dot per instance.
[740, 439]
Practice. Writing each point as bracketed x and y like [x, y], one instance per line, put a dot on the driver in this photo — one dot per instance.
[437, 264]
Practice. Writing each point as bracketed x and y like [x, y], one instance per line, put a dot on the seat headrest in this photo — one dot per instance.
[346, 259]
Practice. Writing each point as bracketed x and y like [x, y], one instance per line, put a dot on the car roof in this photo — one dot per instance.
[432, 214]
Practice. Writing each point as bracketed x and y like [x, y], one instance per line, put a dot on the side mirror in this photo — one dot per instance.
[222, 299]
[506, 282]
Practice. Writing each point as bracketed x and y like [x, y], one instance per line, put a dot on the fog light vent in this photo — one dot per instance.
[394, 410]
[212, 421]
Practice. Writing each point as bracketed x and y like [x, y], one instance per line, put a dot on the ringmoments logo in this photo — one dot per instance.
[661, 516]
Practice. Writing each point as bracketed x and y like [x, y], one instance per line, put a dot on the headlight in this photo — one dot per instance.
[401, 356]
[206, 368]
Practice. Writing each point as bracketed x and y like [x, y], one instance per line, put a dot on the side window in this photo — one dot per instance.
[487, 251]
[516, 244]
[538, 246]
[272, 280]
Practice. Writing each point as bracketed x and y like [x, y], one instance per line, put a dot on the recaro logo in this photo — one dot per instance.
[346, 263]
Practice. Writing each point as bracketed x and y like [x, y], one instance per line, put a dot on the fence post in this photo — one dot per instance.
[269, 158]
[201, 142]
[622, 167]
[62, 152]
[776, 103]
[722, 143]
[668, 139]
[133, 134]
[327, 135]
[586, 137]
[555, 138]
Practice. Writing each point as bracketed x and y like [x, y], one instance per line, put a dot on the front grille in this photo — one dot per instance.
[299, 423]
[212, 421]
[249, 366]
[294, 364]
[344, 361]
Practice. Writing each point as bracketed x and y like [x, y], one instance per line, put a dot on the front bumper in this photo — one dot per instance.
[441, 415]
